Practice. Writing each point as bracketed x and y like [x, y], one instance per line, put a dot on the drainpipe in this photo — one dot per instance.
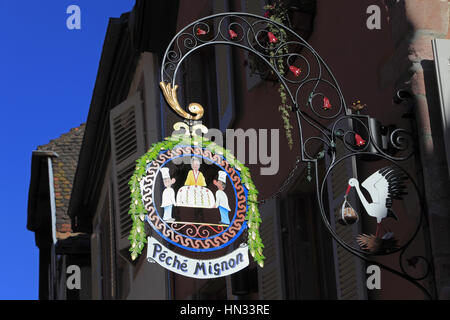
[52, 198]
[53, 291]
[48, 155]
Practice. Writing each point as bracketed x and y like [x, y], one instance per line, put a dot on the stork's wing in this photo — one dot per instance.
[396, 184]
[370, 184]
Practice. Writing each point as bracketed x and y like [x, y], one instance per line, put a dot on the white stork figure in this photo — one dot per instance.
[383, 186]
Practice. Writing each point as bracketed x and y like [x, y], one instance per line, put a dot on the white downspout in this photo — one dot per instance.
[52, 198]
[53, 289]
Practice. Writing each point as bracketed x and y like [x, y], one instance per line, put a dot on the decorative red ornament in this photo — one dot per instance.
[272, 38]
[359, 141]
[200, 32]
[267, 14]
[348, 190]
[326, 104]
[232, 34]
[296, 71]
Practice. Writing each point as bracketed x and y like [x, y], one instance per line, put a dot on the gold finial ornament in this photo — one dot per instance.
[171, 97]
[190, 130]
[181, 125]
[199, 126]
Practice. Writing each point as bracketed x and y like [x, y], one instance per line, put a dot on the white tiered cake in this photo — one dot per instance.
[195, 197]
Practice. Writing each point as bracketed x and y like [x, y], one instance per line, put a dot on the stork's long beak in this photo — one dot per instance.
[348, 189]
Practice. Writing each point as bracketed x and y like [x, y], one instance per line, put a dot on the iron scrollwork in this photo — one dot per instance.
[320, 128]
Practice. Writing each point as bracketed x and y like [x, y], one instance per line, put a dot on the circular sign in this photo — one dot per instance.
[198, 237]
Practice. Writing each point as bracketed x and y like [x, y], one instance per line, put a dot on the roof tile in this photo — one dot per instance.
[67, 146]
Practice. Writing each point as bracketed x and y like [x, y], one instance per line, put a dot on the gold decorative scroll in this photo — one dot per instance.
[171, 97]
[190, 131]
[181, 125]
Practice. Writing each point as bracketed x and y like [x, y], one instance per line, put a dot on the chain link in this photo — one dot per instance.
[285, 183]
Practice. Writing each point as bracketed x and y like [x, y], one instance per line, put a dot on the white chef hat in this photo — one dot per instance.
[165, 173]
[223, 176]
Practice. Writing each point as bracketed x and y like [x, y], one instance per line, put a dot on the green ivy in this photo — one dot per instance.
[279, 15]
[138, 237]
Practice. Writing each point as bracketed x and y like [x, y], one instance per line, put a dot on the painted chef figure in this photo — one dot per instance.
[195, 177]
[221, 198]
[168, 196]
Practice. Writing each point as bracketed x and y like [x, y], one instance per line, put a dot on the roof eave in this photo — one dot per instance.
[33, 190]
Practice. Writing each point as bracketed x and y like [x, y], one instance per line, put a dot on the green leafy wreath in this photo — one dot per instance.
[138, 237]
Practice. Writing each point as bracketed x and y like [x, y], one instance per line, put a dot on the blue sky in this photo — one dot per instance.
[47, 75]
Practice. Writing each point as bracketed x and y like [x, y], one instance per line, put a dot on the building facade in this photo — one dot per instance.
[52, 172]
[128, 113]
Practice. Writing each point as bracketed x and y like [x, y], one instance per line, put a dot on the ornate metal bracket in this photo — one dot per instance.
[326, 130]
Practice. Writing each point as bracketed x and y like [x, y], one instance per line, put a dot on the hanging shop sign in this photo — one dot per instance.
[333, 138]
[199, 199]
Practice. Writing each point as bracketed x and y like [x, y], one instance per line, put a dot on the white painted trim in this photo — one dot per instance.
[441, 52]
[52, 197]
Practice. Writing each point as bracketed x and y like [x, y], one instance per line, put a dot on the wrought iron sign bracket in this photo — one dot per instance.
[327, 127]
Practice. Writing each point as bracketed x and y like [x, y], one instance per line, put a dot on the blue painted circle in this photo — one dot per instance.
[244, 224]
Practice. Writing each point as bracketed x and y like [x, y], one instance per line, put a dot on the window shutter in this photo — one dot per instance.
[348, 268]
[127, 145]
[270, 278]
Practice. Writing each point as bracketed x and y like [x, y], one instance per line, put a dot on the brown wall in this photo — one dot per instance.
[428, 20]
[369, 65]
